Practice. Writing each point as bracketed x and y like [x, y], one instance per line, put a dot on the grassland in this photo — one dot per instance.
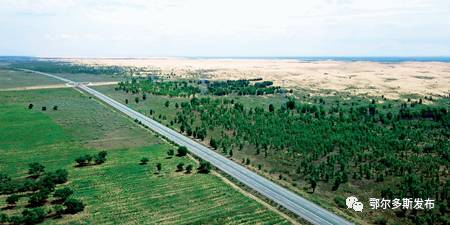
[120, 191]
[15, 78]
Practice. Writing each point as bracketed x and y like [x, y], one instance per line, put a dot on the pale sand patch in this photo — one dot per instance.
[423, 78]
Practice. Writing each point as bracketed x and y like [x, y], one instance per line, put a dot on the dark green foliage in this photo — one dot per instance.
[158, 167]
[30, 106]
[73, 206]
[189, 168]
[83, 160]
[59, 211]
[271, 108]
[180, 166]
[33, 216]
[12, 199]
[182, 151]
[63, 193]
[170, 152]
[213, 143]
[205, 167]
[36, 169]
[144, 160]
[4, 218]
[166, 104]
[340, 202]
[55, 108]
[44, 108]
[38, 198]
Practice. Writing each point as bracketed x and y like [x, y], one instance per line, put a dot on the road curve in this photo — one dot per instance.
[289, 200]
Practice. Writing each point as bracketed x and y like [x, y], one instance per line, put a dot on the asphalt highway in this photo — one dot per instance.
[282, 196]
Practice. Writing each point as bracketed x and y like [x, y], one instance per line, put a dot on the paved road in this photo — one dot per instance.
[291, 201]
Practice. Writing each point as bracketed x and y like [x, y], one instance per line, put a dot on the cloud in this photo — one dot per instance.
[232, 27]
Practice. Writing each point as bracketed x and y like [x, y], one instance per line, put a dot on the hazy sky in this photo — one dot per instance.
[139, 28]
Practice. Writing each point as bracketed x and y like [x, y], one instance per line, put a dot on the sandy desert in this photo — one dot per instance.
[362, 77]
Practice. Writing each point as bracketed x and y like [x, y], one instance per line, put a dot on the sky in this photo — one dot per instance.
[253, 28]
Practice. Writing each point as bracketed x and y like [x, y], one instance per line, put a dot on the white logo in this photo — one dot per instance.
[352, 203]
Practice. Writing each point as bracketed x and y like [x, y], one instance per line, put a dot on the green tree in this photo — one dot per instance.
[313, 183]
[144, 160]
[30, 106]
[63, 194]
[73, 206]
[12, 199]
[166, 104]
[271, 108]
[170, 153]
[205, 167]
[59, 211]
[36, 169]
[213, 143]
[189, 168]
[33, 216]
[158, 167]
[38, 198]
[180, 166]
[182, 151]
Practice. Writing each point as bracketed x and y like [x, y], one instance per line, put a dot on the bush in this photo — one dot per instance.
[171, 152]
[73, 206]
[38, 198]
[83, 160]
[12, 199]
[3, 218]
[33, 216]
[189, 168]
[380, 220]
[59, 210]
[63, 194]
[30, 106]
[36, 169]
[340, 202]
[205, 167]
[182, 151]
[180, 166]
[144, 160]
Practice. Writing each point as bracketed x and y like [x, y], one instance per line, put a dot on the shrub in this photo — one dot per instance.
[180, 166]
[12, 199]
[63, 194]
[36, 169]
[189, 168]
[170, 152]
[33, 216]
[340, 202]
[205, 167]
[144, 160]
[73, 206]
[182, 151]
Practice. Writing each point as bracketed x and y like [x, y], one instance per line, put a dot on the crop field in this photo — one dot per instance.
[14, 78]
[120, 191]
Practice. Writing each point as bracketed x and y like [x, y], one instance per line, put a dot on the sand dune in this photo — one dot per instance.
[391, 80]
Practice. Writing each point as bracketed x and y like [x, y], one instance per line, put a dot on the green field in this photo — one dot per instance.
[119, 191]
[368, 146]
[15, 79]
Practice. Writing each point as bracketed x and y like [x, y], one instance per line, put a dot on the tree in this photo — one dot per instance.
[180, 167]
[60, 176]
[313, 183]
[230, 153]
[182, 151]
[158, 167]
[3, 218]
[63, 194]
[144, 160]
[55, 108]
[36, 169]
[271, 108]
[73, 206]
[33, 216]
[213, 143]
[170, 153]
[38, 198]
[189, 168]
[290, 104]
[166, 104]
[30, 106]
[205, 167]
[126, 101]
[136, 99]
[336, 184]
[144, 97]
[59, 211]
[176, 105]
[99, 159]
[44, 108]
[12, 199]
[83, 160]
